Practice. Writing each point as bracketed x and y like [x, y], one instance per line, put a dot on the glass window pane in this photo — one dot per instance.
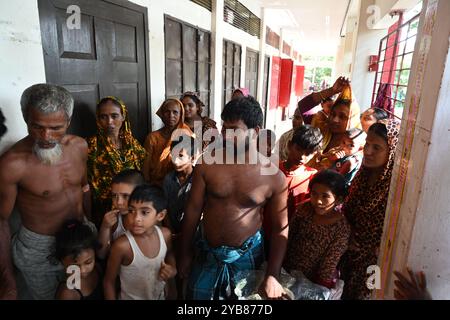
[173, 78]
[189, 76]
[173, 39]
[189, 43]
[407, 61]
[401, 94]
[410, 44]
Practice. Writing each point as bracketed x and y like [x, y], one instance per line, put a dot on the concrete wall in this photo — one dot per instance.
[346, 50]
[21, 62]
[367, 44]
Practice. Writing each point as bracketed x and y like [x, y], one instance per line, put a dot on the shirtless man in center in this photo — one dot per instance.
[44, 174]
[230, 197]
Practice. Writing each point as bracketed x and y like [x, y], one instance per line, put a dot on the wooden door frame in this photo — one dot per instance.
[140, 9]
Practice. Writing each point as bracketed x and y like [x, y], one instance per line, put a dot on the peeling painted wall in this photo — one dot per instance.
[21, 62]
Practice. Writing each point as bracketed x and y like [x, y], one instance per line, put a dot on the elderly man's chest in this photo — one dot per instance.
[47, 181]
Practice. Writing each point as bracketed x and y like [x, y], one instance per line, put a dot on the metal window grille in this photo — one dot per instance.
[242, 18]
[207, 4]
[232, 53]
[188, 60]
[272, 38]
[286, 48]
[398, 69]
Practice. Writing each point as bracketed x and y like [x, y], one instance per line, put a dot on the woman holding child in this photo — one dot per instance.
[157, 144]
[344, 115]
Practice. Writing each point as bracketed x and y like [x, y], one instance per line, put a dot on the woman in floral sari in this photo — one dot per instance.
[112, 150]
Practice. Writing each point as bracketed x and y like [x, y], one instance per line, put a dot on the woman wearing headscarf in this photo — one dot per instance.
[310, 105]
[345, 115]
[112, 150]
[365, 207]
[157, 144]
[193, 108]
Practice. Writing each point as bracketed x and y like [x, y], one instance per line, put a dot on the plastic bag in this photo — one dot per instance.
[296, 286]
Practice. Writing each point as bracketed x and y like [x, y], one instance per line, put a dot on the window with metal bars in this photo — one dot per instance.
[231, 69]
[286, 48]
[272, 38]
[236, 14]
[188, 60]
[204, 3]
[395, 58]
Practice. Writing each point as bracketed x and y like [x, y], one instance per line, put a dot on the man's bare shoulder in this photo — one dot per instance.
[14, 160]
[76, 142]
[277, 177]
[167, 234]
[77, 145]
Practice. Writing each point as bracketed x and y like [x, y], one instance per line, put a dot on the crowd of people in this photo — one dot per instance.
[162, 221]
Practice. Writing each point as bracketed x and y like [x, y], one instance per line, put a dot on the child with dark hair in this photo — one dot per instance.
[319, 232]
[177, 187]
[75, 246]
[371, 116]
[142, 258]
[352, 145]
[305, 143]
[177, 183]
[112, 227]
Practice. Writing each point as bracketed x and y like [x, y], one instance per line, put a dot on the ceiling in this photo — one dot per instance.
[313, 27]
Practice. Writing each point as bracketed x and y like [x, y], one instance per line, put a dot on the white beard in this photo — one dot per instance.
[48, 156]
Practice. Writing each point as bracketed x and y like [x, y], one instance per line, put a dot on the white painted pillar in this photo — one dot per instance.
[281, 41]
[262, 55]
[243, 64]
[417, 225]
[217, 58]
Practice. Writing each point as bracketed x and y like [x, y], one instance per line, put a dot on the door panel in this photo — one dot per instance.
[251, 72]
[106, 56]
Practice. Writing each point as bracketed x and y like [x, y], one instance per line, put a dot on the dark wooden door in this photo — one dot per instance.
[251, 72]
[107, 55]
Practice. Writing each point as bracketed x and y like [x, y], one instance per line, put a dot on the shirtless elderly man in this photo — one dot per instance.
[44, 174]
[231, 197]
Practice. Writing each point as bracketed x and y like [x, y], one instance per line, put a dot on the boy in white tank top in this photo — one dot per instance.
[112, 227]
[142, 257]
